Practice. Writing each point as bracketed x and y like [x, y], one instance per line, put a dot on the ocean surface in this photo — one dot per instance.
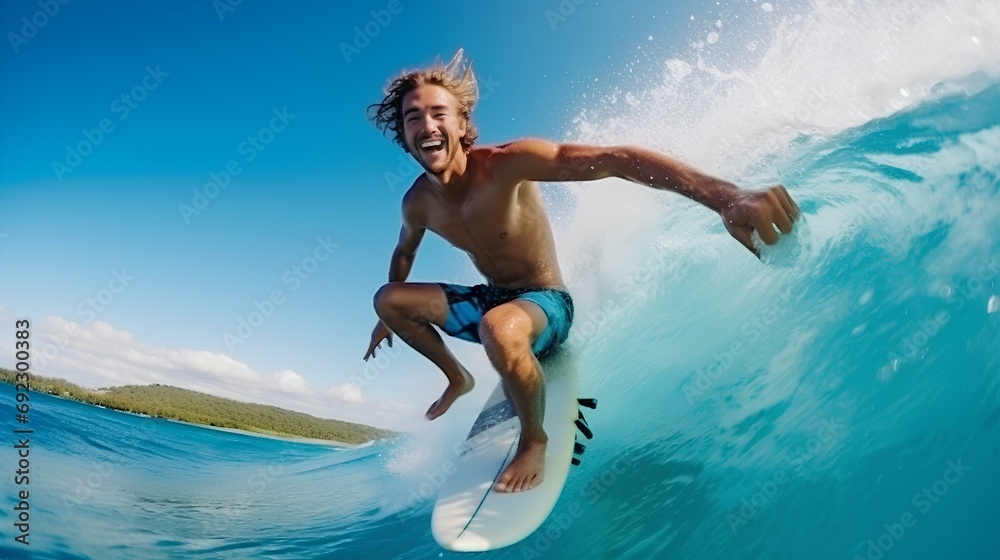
[839, 400]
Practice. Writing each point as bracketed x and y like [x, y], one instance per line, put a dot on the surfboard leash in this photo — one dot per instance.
[581, 424]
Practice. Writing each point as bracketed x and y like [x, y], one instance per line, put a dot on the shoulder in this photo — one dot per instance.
[511, 159]
[417, 200]
[525, 147]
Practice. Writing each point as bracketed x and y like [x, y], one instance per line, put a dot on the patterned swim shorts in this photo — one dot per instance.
[468, 304]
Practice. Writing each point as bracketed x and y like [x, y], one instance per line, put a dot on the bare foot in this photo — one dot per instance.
[450, 394]
[526, 470]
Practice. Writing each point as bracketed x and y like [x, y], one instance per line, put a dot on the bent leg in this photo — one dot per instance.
[409, 310]
[508, 332]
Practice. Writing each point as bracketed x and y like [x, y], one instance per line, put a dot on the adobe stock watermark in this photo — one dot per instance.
[918, 339]
[562, 12]
[923, 501]
[30, 26]
[433, 480]
[752, 329]
[430, 485]
[224, 7]
[249, 148]
[385, 355]
[560, 522]
[87, 310]
[767, 491]
[91, 306]
[122, 106]
[236, 507]
[365, 33]
[961, 295]
[88, 486]
[293, 278]
[378, 364]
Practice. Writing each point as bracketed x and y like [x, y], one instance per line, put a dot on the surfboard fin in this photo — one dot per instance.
[581, 424]
[584, 429]
[578, 449]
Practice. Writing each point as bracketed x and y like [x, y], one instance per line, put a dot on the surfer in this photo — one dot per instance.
[485, 200]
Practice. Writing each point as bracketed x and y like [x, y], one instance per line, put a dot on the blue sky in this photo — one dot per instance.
[114, 116]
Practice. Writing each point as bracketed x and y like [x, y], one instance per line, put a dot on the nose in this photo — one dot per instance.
[428, 126]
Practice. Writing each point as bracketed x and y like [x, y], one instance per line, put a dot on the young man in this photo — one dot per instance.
[486, 201]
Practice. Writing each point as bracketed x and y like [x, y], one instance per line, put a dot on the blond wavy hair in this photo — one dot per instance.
[456, 76]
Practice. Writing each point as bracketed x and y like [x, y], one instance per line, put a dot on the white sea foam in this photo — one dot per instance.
[843, 63]
[835, 65]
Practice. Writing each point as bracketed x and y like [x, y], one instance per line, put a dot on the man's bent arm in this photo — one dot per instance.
[403, 255]
[410, 236]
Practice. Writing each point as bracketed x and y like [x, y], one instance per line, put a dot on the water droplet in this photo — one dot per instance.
[718, 24]
[993, 305]
[975, 40]
[767, 7]
[712, 38]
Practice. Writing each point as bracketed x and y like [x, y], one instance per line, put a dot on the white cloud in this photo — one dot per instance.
[346, 392]
[98, 355]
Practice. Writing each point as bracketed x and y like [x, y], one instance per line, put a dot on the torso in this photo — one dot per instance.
[503, 228]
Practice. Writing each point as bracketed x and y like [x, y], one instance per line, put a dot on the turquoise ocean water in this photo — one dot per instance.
[842, 400]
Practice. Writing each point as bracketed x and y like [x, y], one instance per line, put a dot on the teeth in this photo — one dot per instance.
[431, 144]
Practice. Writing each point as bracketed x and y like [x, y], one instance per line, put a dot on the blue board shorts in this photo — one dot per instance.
[468, 304]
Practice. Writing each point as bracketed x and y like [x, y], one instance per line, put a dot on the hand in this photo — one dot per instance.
[761, 211]
[380, 333]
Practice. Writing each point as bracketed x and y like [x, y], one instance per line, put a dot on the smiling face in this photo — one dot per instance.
[433, 127]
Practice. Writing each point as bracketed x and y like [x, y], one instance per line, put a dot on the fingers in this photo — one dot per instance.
[782, 220]
[765, 229]
[371, 348]
[743, 235]
[787, 204]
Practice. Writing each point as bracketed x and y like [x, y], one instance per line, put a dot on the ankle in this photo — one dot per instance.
[463, 382]
[534, 438]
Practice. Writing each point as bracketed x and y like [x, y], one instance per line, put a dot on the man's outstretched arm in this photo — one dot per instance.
[742, 211]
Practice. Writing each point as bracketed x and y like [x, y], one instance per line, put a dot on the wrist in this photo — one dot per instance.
[723, 195]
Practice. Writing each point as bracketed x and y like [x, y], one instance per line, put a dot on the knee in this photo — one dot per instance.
[387, 298]
[504, 339]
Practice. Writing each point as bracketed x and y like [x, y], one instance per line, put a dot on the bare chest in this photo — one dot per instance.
[484, 221]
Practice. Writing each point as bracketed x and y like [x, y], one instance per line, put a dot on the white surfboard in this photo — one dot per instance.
[469, 515]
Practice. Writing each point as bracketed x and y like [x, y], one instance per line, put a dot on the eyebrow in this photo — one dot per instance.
[432, 108]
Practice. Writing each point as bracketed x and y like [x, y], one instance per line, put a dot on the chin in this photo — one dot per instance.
[437, 168]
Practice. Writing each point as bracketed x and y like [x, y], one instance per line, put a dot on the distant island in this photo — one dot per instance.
[174, 403]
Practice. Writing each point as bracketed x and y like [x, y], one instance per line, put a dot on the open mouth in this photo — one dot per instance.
[432, 147]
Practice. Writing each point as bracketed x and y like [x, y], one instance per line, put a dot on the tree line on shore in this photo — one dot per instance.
[174, 403]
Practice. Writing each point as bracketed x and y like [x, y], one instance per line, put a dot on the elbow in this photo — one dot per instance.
[616, 161]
